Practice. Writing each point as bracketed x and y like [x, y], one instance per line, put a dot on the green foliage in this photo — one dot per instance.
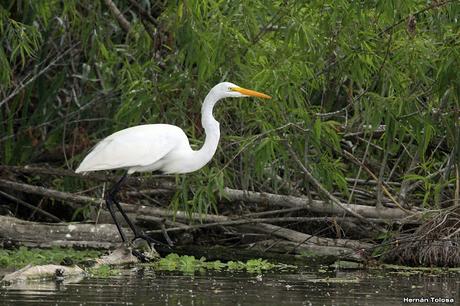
[207, 186]
[334, 68]
[190, 264]
[23, 256]
[251, 266]
[104, 271]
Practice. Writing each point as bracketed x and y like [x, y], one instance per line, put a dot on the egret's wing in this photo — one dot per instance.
[137, 146]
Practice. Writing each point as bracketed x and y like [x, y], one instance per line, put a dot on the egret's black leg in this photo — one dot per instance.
[109, 204]
[109, 201]
[112, 199]
[130, 224]
[136, 232]
[112, 194]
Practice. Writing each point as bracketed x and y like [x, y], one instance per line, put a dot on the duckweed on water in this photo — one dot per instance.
[23, 256]
[189, 264]
[104, 271]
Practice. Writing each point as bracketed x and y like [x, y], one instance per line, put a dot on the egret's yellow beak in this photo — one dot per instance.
[251, 93]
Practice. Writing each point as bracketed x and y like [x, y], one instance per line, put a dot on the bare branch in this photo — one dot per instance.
[32, 207]
[122, 21]
[36, 76]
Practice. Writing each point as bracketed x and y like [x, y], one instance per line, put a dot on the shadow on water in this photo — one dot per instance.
[147, 287]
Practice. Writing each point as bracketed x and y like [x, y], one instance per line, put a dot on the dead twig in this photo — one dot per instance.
[161, 181]
[144, 13]
[144, 212]
[229, 194]
[432, 5]
[316, 206]
[36, 76]
[32, 207]
[122, 21]
[323, 190]
[257, 220]
[384, 185]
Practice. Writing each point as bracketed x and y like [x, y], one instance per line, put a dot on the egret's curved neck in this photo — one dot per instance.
[211, 128]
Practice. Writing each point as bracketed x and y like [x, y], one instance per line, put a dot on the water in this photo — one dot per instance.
[146, 287]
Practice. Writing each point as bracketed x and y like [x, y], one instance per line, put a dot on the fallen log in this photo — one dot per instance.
[80, 235]
[160, 181]
[41, 272]
[334, 247]
[302, 238]
[240, 195]
[143, 213]
[318, 206]
[232, 222]
[119, 257]
[149, 214]
[164, 183]
[309, 252]
[257, 250]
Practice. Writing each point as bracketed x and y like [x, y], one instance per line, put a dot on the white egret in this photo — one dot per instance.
[159, 147]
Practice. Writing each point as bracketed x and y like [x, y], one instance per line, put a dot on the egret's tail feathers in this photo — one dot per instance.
[81, 170]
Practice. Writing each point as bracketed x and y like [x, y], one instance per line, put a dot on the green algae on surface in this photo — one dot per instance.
[334, 280]
[347, 265]
[393, 269]
[408, 270]
[22, 256]
[103, 271]
[189, 264]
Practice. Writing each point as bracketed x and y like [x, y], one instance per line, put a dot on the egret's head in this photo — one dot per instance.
[227, 89]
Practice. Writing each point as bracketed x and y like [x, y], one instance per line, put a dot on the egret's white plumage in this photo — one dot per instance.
[162, 147]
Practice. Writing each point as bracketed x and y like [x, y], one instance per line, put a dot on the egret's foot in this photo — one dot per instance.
[142, 248]
[140, 256]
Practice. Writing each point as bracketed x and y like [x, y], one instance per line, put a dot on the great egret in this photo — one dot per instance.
[159, 147]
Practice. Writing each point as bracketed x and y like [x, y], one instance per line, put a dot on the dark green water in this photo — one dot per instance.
[146, 287]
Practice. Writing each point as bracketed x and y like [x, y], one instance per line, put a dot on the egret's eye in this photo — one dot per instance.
[230, 89]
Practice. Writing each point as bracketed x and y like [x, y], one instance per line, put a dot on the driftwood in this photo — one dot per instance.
[318, 206]
[165, 183]
[307, 239]
[310, 251]
[37, 234]
[147, 213]
[332, 199]
[243, 220]
[42, 272]
[120, 256]
[272, 250]
[34, 234]
[168, 221]
[106, 236]
[239, 195]
[30, 206]
[158, 181]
